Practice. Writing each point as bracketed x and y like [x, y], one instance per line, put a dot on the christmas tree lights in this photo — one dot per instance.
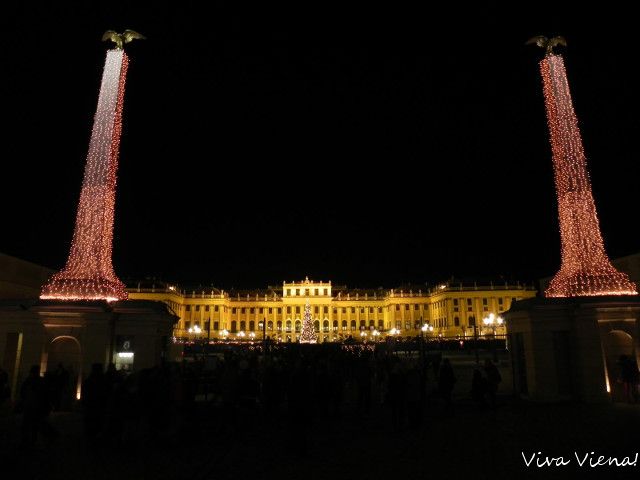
[89, 274]
[585, 268]
[308, 334]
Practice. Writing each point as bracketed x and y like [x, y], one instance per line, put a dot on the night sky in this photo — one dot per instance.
[360, 145]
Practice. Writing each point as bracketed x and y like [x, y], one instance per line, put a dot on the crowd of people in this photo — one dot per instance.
[289, 387]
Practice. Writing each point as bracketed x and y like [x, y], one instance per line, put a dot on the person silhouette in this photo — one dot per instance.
[35, 406]
[493, 380]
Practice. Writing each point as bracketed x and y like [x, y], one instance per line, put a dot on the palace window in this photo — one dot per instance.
[326, 291]
[325, 326]
[344, 310]
[344, 325]
[370, 309]
[397, 307]
[407, 325]
[206, 308]
[216, 326]
[335, 325]
[455, 302]
[315, 291]
[187, 324]
[279, 325]
[234, 326]
[306, 292]
[261, 310]
[270, 310]
[353, 309]
[288, 325]
[406, 307]
[269, 325]
[297, 309]
[280, 311]
[187, 308]
[297, 292]
[379, 309]
[243, 325]
[316, 310]
[242, 310]
[326, 310]
[353, 325]
[216, 308]
[456, 321]
[298, 325]
[484, 301]
[381, 324]
[469, 302]
[316, 326]
[472, 321]
[233, 310]
[289, 292]
[252, 325]
[251, 310]
[288, 309]
[416, 307]
[363, 324]
[197, 308]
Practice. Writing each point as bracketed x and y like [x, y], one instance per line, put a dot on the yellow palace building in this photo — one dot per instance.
[449, 310]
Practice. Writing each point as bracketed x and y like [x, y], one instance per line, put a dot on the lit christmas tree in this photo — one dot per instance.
[308, 334]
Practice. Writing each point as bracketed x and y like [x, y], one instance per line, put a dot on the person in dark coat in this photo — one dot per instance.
[446, 381]
[94, 401]
[35, 406]
[493, 380]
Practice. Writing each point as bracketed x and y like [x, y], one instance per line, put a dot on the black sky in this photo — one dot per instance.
[367, 146]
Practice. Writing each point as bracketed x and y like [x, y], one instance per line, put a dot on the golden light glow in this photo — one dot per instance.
[585, 268]
[89, 274]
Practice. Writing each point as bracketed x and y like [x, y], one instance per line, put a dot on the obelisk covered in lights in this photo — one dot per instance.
[585, 269]
[89, 274]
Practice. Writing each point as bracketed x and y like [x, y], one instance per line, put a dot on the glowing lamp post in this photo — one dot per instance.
[363, 336]
[375, 334]
[493, 322]
[241, 335]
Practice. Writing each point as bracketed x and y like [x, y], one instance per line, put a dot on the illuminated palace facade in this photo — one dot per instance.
[453, 310]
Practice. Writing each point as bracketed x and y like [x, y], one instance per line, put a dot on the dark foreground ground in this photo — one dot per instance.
[209, 443]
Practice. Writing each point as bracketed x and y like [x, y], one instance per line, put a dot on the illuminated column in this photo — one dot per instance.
[585, 269]
[88, 274]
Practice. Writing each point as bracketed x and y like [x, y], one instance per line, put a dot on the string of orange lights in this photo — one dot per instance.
[585, 268]
[88, 273]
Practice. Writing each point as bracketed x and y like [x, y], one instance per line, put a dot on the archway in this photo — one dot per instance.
[617, 343]
[64, 364]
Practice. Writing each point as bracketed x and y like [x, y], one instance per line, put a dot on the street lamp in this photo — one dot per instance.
[363, 335]
[427, 327]
[493, 322]
[241, 335]
[224, 333]
[196, 330]
[375, 335]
